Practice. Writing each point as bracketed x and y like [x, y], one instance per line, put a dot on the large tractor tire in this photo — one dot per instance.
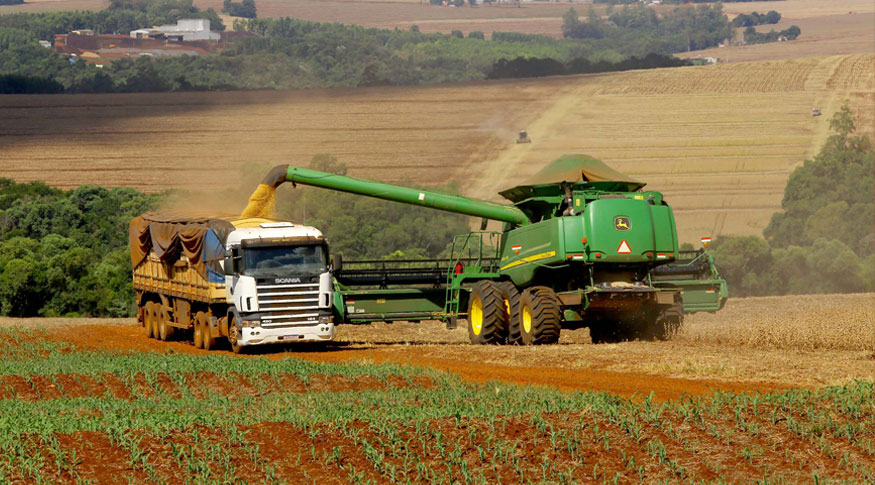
[487, 317]
[540, 318]
[511, 296]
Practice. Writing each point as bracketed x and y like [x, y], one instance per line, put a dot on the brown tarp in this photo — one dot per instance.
[168, 234]
[580, 168]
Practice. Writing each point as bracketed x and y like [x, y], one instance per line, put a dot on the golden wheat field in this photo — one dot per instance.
[720, 140]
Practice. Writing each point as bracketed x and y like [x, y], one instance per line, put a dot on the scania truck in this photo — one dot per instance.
[250, 280]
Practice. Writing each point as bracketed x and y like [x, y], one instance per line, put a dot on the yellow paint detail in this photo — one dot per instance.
[527, 319]
[529, 259]
[476, 316]
[577, 202]
[639, 197]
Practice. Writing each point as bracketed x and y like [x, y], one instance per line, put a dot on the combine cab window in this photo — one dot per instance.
[284, 260]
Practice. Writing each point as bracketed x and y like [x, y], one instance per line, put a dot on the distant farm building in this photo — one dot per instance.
[185, 30]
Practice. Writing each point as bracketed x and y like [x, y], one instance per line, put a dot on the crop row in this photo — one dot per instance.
[454, 432]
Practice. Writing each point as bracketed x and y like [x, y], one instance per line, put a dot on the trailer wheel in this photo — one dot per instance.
[207, 336]
[150, 320]
[539, 316]
[487, 317]
[165, 331]
[199, 319]
[511, 296]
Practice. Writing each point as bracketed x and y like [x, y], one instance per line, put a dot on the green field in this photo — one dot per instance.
[78, 415]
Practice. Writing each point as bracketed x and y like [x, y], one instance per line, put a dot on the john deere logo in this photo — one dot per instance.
[622, 223]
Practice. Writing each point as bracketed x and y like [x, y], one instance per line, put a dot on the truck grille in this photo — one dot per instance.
[288, 305]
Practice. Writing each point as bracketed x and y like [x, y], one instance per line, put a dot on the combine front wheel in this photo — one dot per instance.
[539, 316]
[487, 317]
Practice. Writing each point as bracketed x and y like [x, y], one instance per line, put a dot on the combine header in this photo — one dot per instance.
[582, 245]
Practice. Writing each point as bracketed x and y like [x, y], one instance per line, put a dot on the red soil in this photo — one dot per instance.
[455, 359]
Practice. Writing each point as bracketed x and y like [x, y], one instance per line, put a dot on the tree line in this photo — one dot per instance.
[823, 241]
[756, 18]
[65, 253]
[751, 36]
[679, 30]
[286, 53]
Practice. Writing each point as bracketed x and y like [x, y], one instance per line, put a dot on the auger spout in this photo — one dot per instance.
[263, 196]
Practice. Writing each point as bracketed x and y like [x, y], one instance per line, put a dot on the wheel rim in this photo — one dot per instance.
[476, 316]
[527, 319]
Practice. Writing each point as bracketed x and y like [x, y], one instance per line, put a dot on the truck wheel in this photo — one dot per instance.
[208, 340]
[150, 320]
[539, 317]
[165, 331]
[199, 330]
[234, 337]
[511, 296]
[487, 317]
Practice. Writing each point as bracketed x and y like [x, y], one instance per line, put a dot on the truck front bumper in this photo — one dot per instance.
[259, 335]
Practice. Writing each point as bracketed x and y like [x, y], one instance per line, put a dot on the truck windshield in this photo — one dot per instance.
[283, 260]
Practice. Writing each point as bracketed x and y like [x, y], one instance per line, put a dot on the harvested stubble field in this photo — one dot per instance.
[720, 141]
[124, 408]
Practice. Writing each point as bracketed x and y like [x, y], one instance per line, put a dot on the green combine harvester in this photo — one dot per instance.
[582, 246]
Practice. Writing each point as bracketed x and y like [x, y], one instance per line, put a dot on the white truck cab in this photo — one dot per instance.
[279, 285]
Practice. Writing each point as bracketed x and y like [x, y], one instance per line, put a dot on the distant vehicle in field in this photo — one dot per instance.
[815, 112]
[252, 281]
[523, 137]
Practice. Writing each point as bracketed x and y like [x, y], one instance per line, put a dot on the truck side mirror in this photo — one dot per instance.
[228, 265]
[336, 262]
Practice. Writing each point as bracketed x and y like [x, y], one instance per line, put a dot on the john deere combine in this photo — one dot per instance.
[579, 247]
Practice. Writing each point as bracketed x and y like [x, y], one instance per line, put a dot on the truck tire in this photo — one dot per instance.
[511, 296]
[165, 331]
[539, 316]
[487, 317]
[198, 337]
[208, 340]
[150, 320]
[233, 338]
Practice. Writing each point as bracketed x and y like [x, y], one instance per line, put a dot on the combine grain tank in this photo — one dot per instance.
[251, 281]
